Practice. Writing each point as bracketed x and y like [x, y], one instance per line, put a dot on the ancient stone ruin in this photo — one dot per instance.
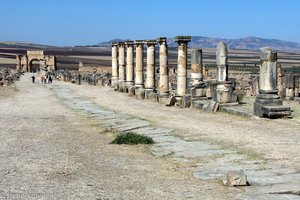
[194, 91]
[25, 62]
[268, 103]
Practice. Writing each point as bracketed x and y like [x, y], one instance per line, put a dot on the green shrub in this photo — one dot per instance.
[132, 139]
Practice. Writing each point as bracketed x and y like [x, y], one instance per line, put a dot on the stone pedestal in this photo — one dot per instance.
[129, 83]
[139, 91]
[224, 91]
[121, 81]
[139, 68]
[163, 86]
[150, 76]
[114, 66]
[181, 90]
[268, 103]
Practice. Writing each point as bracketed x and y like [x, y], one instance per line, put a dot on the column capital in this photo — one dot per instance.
[183, 39]
[129, 43]
[114, 44]
[150, 42]
[139, 42]
[121, 44]
[162, 40]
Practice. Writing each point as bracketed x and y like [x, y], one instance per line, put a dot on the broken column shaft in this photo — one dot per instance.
[268, 103]
[198, 89]
[163, 87]
[121, 81]
[114, 66]
[139, 68]
[224, 91]
[129, 67]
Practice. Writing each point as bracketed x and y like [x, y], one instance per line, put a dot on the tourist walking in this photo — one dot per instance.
[33, 78]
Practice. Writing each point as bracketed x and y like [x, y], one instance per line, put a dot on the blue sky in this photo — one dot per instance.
[84, 22]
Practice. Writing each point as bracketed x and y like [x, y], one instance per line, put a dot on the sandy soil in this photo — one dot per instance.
[48, 151]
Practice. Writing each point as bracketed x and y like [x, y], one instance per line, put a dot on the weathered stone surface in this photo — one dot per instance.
[182, 65]
[171, 101]
[139, 92]
[129, 65]
[224, 90]
[236, 178]
[150, 74]
[206, 105]
[151, 95]
[268, 103]
[121, 81]
[114, 66]
[139, 67]
[24, 62]
[163, 86]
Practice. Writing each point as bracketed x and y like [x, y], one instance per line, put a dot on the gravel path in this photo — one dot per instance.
[49, 151]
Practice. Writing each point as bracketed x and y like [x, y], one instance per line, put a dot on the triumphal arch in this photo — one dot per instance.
[26, 62]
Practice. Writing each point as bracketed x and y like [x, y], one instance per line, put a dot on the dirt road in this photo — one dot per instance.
[48, 151]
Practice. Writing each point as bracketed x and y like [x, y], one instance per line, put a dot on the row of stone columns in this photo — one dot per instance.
[133, 81]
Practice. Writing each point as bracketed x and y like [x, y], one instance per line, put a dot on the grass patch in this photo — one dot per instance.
[132, 139]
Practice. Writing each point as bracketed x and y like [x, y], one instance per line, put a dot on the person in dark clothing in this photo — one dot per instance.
[33, 79]
[49, 79]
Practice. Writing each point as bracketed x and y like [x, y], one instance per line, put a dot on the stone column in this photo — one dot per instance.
[268, 103]
[224, 91]
[19, 65]
[222, 62]
[121, 81]
[114, 66]
[198, 89]
[163, 86]
[181, 90]
[139, 68]
[129, 68]
[150, 92]
[280, 85]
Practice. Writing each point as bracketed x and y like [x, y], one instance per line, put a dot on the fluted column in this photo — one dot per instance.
[121, 80]
[139, 70]
[129, 67]
[163, 86]
[114, 66]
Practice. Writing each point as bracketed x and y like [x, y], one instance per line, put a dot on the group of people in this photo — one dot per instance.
[44, 79]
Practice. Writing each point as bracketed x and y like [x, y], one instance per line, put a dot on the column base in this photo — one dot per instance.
[269, 105]
[163, 98]
[183, 101]
[151, 95]
[130, 88]
[121, 87]
[224, 93]
[198, 92]
[139, 91]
